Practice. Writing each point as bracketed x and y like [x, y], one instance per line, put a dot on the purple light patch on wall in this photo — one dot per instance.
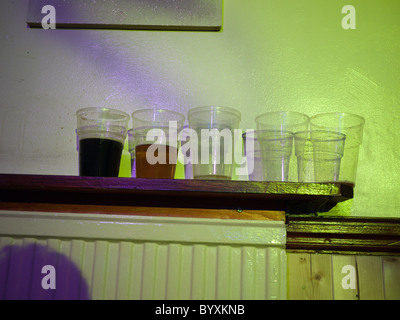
[35, 272]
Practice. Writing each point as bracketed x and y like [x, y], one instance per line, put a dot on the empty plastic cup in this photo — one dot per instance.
[252, 152]
[214, 127]
[276, 150]
[352, 126]
[155, 137]
[101, 136]
[305, 156]
[319, 155]
[282, 121]
[185, 154]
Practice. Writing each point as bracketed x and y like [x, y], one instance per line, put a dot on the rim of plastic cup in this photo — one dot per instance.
[214, 109]
[341, 136]
[252, 134]
[305, 117]
[83, 111]
[270, 135]
[320, 115]
[137, 112]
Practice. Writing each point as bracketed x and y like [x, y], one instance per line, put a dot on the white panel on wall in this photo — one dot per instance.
[205, 15]
[115, 257]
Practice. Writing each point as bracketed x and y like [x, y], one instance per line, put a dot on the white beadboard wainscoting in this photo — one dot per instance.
[124, 257]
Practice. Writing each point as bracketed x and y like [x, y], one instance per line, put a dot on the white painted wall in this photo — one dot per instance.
[270, 55]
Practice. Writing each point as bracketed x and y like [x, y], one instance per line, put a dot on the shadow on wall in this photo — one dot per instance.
[35, 272]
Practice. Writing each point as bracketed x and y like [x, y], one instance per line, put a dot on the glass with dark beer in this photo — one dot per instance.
[101, 133]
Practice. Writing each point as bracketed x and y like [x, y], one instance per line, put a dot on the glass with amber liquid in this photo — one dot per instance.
[164, 168]
[155, 135]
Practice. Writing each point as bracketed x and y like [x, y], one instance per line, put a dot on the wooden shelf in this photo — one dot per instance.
[289, 197]
[293, 203]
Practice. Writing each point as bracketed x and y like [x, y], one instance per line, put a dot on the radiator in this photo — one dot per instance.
[107, 257]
